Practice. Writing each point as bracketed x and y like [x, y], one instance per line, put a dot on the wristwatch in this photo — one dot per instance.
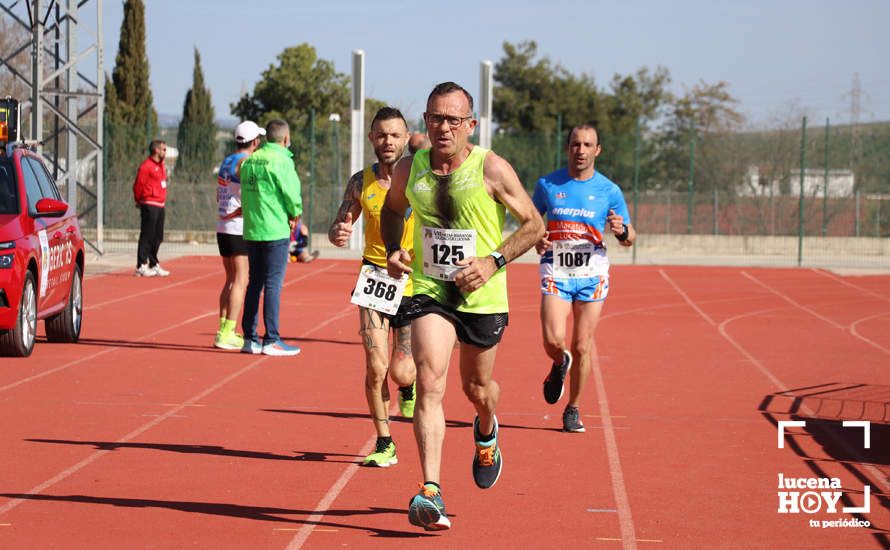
[623, 236]
[499, 259]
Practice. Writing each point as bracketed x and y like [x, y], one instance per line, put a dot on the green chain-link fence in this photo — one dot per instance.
[713, 190]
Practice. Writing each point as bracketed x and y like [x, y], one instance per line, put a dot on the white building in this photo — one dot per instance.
[841, 183]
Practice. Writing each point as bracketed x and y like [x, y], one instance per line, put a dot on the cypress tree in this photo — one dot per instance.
[196, 139]
[130, 114]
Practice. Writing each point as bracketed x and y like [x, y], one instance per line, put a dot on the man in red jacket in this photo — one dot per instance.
[150, 193]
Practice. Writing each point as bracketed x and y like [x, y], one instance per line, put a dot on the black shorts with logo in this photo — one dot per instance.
[231, 245]
[483, 330]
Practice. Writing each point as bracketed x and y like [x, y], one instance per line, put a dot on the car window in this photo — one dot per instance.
[32, 188]
[9, 203]
[47, 187]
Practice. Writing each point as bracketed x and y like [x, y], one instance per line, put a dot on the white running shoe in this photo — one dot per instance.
[280, 349]
[160, 271]
[144, 271]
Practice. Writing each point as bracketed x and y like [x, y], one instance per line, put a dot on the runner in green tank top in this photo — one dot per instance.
[459, 194]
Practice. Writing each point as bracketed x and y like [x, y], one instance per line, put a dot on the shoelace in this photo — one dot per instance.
[427, 492]
[485, 455]
[572, 415]
[407, 393]
[381, 447]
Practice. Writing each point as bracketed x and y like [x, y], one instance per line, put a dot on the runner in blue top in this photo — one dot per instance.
[229, 231]
[581, 205]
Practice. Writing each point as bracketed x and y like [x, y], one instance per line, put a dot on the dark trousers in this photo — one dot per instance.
[151, 235]
[268, 262]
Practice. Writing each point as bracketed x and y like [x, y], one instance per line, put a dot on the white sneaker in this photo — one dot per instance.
[160, 271]
[144, 271]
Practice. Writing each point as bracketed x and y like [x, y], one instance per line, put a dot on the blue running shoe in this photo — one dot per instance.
[280, 349]
[427, 509]
[254, 348]
[487, 460]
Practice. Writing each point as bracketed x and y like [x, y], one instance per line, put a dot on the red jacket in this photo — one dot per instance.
[150, 186]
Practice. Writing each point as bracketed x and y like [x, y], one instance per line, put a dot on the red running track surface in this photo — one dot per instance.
[143, 435]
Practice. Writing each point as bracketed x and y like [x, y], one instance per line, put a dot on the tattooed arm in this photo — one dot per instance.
[349, 211]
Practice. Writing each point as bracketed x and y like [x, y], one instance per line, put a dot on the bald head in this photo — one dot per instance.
[418, 141]
[278, 131]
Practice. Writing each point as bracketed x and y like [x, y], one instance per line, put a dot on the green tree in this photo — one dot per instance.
[707, 111]
[131, 120]
[532, 93]
[290, 89]
[196, 138]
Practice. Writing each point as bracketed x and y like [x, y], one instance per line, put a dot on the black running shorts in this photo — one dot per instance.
[231, 245]
[483, 330]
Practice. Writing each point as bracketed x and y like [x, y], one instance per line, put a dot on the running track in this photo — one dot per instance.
[143, 436]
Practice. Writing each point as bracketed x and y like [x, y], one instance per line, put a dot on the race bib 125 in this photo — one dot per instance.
[443, 248]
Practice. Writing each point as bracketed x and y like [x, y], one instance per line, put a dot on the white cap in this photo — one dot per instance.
[248, 131]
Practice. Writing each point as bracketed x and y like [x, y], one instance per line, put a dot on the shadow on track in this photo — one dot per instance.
[216, 450]
[256, 513]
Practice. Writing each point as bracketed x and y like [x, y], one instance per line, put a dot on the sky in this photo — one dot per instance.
[781, 58]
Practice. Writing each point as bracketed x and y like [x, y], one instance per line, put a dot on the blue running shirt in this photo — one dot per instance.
[577, 210]
[228, 196]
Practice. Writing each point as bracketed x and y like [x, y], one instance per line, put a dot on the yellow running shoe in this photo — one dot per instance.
[228, 340]
[407, 399]
[383, 456]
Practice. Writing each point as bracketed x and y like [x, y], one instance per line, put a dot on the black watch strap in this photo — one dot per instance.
[499, 259]
[623, 236]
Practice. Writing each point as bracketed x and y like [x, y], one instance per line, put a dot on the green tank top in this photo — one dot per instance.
[442, 204]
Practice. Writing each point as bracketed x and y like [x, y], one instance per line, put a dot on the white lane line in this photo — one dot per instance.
[87, 358]
[148, 291]
[875, 473]
[793, 302]
[855, 332]
[686, 297]
[140, 339]
[328, 499]
[138, 431]
[625, 519]
[852, 327]
[147, 426]
[844, 282]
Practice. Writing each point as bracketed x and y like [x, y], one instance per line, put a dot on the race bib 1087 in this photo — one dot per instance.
[579, 259]
[376, 290]
[443, 248]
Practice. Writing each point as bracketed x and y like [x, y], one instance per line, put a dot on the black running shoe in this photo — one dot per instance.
[571, 420]
[553, 384]
[487, 459]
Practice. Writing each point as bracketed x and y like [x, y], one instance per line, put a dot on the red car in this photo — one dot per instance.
[41, 256]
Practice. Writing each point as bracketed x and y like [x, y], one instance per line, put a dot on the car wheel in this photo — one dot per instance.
[65, 327]
[19, 341]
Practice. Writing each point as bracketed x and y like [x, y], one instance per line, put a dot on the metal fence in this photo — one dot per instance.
[815, 191]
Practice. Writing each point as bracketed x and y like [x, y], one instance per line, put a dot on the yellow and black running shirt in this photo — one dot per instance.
[373, 195]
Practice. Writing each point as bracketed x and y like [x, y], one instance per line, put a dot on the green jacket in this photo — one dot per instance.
[270, 193]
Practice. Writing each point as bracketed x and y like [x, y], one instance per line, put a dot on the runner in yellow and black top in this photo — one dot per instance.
[459, 194]
[365, 194]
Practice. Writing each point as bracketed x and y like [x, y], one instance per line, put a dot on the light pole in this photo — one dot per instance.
[338, 177]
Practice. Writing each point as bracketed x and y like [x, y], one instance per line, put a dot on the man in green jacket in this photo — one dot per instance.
[271, 206]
